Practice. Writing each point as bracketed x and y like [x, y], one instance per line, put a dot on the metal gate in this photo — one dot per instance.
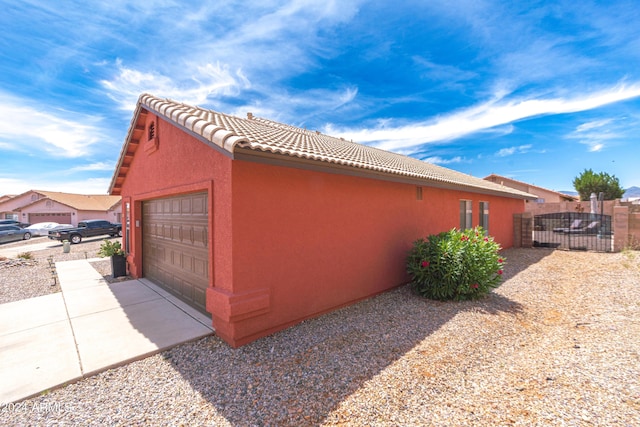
[573, 231]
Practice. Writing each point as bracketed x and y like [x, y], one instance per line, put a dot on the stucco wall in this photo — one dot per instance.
[181, 164]
[306, 242]
[287, 244]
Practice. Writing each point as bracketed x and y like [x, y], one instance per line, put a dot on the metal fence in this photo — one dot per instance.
[573, 231]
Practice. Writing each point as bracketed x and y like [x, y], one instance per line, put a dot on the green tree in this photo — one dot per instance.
[590, 182]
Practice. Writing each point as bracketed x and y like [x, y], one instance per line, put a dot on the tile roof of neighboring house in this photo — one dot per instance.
[494, 178]
[81, 202]
[229, 133]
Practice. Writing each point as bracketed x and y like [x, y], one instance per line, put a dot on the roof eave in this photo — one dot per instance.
[279, 159]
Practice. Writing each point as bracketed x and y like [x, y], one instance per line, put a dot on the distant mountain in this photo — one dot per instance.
[631, 192]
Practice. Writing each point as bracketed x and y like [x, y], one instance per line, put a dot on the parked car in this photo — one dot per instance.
[11, 233]
[14, 222]
[61, 226]
[41, 228]
[88, 228]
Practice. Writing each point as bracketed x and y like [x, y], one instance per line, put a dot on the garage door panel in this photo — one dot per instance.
[60, 218]
[175, 245]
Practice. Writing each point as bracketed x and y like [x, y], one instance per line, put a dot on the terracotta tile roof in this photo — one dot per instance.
[83, 202]
[230, 132]
[495, 178]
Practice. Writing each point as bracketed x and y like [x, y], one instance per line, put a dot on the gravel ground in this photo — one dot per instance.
[558, 344]
[21, 279]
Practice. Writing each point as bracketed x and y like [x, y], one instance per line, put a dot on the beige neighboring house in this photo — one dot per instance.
[544, 195]
[36, 206]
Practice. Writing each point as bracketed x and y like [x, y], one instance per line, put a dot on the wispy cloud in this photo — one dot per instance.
[98, 166]
[442, 161]
[496, 112]
[191, 86]
[86, 186]
[595, 134]
[59, 133]
[513, 150]
[268, 43]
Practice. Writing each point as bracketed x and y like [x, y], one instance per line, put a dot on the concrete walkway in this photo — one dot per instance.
[89, 327]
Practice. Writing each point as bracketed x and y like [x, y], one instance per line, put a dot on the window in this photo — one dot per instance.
[483, 220]
[418, 193]
[466, 214]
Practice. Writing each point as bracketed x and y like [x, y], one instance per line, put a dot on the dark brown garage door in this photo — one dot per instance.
[175, 250]
[60, 218]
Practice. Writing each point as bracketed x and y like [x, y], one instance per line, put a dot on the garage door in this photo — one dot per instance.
[175, 249]
[60, 218]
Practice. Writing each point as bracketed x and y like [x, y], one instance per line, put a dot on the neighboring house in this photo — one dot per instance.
[65, 208]
[264, 225]
[4, 199]
[544, 195]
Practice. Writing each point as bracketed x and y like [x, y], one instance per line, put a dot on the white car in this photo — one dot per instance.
[41, 228]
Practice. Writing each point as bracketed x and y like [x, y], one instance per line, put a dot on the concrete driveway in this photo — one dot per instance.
[87, 328]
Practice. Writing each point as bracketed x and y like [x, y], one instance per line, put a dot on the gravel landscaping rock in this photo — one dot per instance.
[557, 344]
[20, 280]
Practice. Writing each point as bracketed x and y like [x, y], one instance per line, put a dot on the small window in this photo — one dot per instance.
[466, 214]
[483, 220]
[418, 193]
[127, 217]
[49, 204]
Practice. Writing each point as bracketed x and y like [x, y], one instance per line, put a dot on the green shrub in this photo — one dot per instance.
[109, 249]
[25, 255]
[455, 265]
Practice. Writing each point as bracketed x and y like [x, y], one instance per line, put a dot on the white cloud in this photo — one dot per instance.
[59, 133]
[98, 166]
[513, 150]
[596, 134]
[192, 86]
[85, 186]
[442, 161]
[482, 117]
[221, 53]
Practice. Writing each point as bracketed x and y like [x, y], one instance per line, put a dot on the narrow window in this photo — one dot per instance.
[127, 236]
[484, 216]
[418, 193]
[466, 214]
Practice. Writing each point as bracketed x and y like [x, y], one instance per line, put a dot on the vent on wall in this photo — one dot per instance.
[152, 131]
[152, 143]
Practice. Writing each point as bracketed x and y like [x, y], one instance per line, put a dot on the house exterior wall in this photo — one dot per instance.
[50, 206]
[544, 195]
[286, 244]
[11, 207]
[307, 242]
[32, 202]
[180, 164]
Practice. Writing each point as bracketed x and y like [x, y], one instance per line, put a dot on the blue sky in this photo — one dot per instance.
[536, 91]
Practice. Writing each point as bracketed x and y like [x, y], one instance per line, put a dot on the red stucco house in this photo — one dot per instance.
[263, 225]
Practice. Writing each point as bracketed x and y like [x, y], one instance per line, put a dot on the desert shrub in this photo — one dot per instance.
[110, 248]
[455, 265]
[25, 255]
